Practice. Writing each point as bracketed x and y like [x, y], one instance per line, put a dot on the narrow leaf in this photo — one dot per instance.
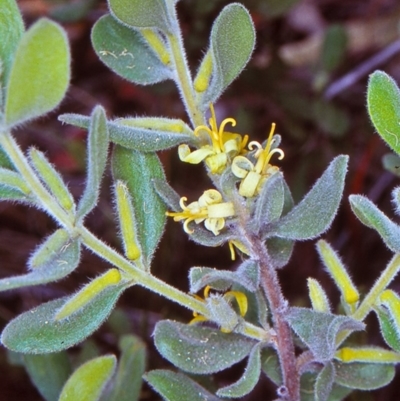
[315, 212]
[97, 154]
[177, 386]
[200, 350]
[11, 31]
[125, 52]
[271, 366]
[372, 217]
[139, 14]
[36, 331]
[131, 366]
[13, 180]
[248, 381]
[363, 376]
[390, 333]
[143, 134]
[137, 170]
[40, 73]
[52, 261]
[231, 45]
[318, 330]
[89, 380]
[383, 100]
[13, 194]
[48, 373]
[324, 382]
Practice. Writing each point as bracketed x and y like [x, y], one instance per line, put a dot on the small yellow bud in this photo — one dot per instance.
[317, 295]
[88, 292]
[367, 354]
[203, 76]
[155, 42]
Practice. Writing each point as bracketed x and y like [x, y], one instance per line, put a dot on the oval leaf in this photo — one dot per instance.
[125, 52]
[177, 386]
[59, 264]
[363, 376]
[231, 44]
[11, 31]
[383, 100]
[249, 379]
[48, 372]
[199, 350]
[40, 73]
[315, 212]
[36, 331]
[89, 380]
[137, 170]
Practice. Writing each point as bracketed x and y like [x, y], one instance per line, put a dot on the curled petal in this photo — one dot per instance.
[248, 186]
[241, 166]
[221, 210]
[215, 225]
[232, 147]
[217, 162]
[241, 300]
[209, 197]
[194, 157]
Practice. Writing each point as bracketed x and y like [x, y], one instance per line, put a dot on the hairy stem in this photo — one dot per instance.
[278, 307]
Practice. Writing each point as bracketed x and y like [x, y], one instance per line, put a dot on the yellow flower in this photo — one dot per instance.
[223, 148]
[254, 176]
[209, 208]
[228, 323]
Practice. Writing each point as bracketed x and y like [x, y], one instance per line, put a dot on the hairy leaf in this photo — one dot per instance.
[389, 332]
[137, 170]
[97, 154]
[36, 331]
[89, 380]
[137, 14]
[48, 372]
[248, 380]
[128, 379]
[315, 212]
[324, 382]
[363, 376]
[40, 73]
[11, 31]
[271, 366]
[125, 52]
[280, 251]
[177, 386]
[372, 217]
[383, 100]
[318, 330]
[231, 45]
[142, 134]
[200, 350]
[54, 261]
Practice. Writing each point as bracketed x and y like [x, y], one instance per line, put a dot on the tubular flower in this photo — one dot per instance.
[227, 318]
[254, 176]
[209, 208]
[223, 148]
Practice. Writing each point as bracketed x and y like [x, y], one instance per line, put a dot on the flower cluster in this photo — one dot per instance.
[210, 208]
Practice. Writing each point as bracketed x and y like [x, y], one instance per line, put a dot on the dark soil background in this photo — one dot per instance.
[294, 80]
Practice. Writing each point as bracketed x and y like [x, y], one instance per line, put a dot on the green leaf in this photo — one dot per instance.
[125, 52]
[11, 31]
[48, 373]
[5, 161]
[388, 329]
[54, 261]
[248, 381]
[13, 194]
[142, 134]
[271, 366]
[36, 331]
[199, 350]
[128, 379]
[315, 212]
[40, 73]
[334, 47]
[89, 380]
[363, 376]
[139, 14]
[383, 100]
[177, 386]
[324, 382]
[318, 330]
[97, 155]
[137, 170]
[280, 251]
[270, 202]
[231, 45]
[372, 217]
[247, 275]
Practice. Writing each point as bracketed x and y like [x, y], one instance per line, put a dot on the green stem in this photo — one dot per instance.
[371, 298]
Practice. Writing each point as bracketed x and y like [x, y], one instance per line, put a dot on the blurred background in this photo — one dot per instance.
[308, 74]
